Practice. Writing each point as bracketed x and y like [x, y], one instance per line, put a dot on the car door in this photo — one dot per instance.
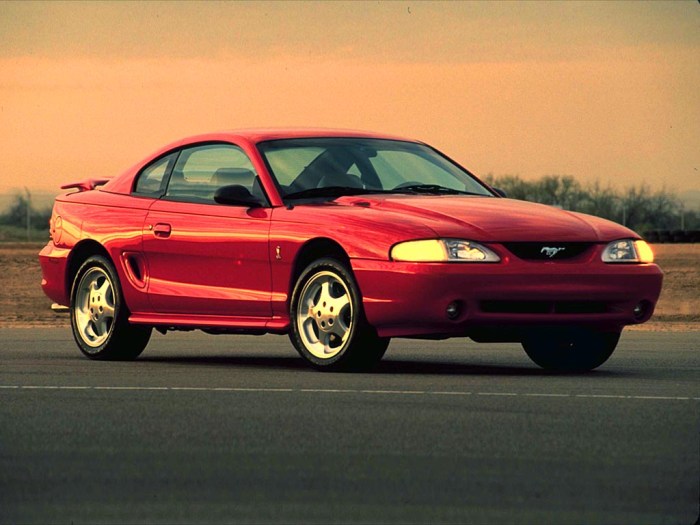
[206, 258]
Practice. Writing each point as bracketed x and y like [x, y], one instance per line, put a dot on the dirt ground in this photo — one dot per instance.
[22, 302]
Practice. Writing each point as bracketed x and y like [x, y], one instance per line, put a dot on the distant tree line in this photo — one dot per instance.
[638, 207]
[22, 221]
[16, 215]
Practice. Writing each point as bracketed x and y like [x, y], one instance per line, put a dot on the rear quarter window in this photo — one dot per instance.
[151, 181]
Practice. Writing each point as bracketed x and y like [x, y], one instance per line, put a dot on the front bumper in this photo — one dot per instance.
[510, 297]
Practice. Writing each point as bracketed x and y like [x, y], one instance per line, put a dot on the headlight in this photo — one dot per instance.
[628, 251]
[443, 250]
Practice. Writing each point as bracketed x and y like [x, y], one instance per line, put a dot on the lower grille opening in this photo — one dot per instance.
[573, 307]
[544, 307]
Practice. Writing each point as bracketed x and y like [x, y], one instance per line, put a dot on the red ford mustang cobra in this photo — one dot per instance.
[343, 240]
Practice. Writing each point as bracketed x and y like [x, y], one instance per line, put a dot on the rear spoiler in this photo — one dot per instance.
[85, 185]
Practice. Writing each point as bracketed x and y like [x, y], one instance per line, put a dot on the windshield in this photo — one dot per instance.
[330, 167]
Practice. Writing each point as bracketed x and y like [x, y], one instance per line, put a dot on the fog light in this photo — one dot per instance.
[640, 310]
[453, 310]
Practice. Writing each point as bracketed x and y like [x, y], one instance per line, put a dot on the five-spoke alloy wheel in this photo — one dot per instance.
[98, 317]
[94, 306]
[325, 315]
[328, 325]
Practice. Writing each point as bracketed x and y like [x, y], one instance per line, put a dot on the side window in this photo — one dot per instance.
[201, 170]
[151, 180]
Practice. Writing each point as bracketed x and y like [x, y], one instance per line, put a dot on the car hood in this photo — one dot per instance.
[492, 219]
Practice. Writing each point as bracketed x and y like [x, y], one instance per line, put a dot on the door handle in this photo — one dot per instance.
[162, 230]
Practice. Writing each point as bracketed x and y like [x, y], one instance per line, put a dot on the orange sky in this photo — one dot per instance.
[597, 90]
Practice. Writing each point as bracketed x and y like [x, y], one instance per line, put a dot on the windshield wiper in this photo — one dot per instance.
[330, 191]
[340, 191]
[432, 188]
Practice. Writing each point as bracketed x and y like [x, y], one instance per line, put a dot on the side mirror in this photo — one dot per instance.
[236, 195]
[500, 192]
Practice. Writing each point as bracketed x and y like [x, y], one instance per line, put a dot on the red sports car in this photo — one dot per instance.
[342, 240]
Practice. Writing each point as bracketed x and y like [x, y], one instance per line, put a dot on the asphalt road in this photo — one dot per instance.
[237, 429]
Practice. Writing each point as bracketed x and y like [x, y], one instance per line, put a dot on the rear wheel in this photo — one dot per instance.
[328, 325]
[576, 350]
[99, 317]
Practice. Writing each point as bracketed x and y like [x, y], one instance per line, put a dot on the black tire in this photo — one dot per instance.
[99, 316]
[328, 326]
[571, 351]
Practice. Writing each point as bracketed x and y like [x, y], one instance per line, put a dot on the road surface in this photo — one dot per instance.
[224, 429]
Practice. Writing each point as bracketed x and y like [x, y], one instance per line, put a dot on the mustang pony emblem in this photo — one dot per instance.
[551, 251]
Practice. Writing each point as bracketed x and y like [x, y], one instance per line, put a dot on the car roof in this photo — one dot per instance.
[256, 135]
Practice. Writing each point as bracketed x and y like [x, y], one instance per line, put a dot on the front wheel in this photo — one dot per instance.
[328, 327]
[99, 318]
[575, 350]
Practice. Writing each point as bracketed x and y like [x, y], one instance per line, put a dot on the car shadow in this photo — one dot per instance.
[452, 368]
[286, 363]
[385, 367]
